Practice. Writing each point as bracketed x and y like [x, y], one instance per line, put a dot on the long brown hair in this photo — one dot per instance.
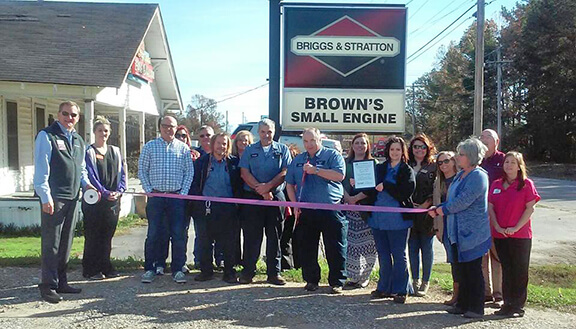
[440, 174]
[430, 148]
[522, 171]
[352, 155]
[228, 146]
[396, 139]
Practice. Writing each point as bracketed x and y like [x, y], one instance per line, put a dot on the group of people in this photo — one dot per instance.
[478, 202]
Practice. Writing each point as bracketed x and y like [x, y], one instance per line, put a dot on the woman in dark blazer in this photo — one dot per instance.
[396, 183]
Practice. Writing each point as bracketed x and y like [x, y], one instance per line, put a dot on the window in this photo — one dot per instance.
[40, 118]
[12, 125]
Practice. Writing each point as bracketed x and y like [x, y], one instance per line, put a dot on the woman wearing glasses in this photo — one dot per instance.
[447, 169]
[421, 153]
[511, 203]
[468, 227]
[107, 173]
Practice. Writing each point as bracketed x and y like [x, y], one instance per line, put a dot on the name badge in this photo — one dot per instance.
[497, 191]
[99, 157]
[299, 165]
[254, 155]
[423, 171]
[61, 145]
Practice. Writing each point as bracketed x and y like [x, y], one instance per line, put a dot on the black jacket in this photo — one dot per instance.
[403, 189]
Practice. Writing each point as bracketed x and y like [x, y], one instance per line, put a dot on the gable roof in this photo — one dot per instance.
[87, 44]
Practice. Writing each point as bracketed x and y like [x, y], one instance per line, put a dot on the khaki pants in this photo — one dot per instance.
[492, 271]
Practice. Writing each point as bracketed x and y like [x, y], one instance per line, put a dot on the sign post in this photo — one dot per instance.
[344, 67]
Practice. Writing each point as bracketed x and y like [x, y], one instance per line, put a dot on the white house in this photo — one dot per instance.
[112, 59]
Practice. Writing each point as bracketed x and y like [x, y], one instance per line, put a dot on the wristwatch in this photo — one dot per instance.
[317, 170]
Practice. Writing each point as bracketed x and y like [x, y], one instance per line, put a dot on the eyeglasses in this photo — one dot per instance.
[419, 147]
[181, 135]
[445, 161]
[205, 136]
[167, 126]
[68, 114]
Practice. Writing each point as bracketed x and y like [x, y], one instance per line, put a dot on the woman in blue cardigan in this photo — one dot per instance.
[468, 226]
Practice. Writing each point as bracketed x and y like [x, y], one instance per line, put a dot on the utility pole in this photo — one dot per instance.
[413, 109]
[499, 62]
[226, 121]
[479, 70]
[274, 62]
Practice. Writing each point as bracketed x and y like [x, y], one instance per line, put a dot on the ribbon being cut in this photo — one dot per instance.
[306, 205]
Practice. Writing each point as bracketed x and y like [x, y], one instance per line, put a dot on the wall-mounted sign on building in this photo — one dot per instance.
[344, 67]
[142, 65]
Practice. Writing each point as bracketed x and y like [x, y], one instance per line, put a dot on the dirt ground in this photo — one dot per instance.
[126, 303]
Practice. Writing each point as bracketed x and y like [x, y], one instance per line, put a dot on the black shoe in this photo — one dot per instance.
[455, 310]
[204, 277]
[377, 294]
[111, 274]
[473, 315]
[50, 295]
[245, 279]
[276, 280]
[68, 290]
[504, 311]
[400, 299]
[336, 290]
[98, 276]
[517, 313]
[230, 279]
[311, 286]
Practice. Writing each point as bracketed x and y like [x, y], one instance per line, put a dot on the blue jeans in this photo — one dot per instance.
[165, 214]
[391, 247]
[421, 242]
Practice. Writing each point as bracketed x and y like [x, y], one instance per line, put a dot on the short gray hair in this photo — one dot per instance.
[315, 132]
[473, 149]
[267, 122]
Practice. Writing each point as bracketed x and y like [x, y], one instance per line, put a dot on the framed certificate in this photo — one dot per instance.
[364, 174]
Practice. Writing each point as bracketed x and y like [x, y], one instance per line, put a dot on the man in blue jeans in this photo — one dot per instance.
[165, 166]
[323, 171]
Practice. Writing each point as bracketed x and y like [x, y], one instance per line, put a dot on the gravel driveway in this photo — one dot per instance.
[126, 303]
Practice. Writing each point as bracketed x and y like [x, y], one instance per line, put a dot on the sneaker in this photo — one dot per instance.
[66, 289]
[185, 269]
[148, 277]
[159, 270]
[204, 277]
[98, 276]
[423, 290]
[276, 280]
[50, 295]
[179, 277]
[400, 299]
[517, 313]
[503, 311]
[416, 285]
[311, 286]
[473, 315]
[336, 290]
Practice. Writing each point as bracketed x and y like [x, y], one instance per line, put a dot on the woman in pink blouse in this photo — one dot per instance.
[510, 204]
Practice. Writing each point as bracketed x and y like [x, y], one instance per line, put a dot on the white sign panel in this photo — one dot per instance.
[345, 110]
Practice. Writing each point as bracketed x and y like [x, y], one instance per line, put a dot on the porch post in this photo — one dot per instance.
[142, 121]
[88, 120]
[122, 130]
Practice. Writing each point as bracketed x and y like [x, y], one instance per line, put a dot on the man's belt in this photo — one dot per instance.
[166, 192]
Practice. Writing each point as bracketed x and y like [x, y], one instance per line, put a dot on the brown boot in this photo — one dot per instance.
[452, 301]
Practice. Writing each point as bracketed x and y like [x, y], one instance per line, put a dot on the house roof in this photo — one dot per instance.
[87, 44]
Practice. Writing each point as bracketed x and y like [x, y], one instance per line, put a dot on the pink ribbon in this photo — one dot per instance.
[305, 205]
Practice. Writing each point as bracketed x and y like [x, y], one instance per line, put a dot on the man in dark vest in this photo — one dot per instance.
[59, 171]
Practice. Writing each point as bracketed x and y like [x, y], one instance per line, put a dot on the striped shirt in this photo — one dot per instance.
[166, 166]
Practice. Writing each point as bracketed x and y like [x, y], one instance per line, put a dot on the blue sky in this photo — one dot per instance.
[220, 47]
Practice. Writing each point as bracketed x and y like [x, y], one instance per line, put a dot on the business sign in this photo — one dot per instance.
[344, 68]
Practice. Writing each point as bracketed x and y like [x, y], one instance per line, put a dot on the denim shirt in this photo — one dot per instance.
[218, 180]
[264, 166]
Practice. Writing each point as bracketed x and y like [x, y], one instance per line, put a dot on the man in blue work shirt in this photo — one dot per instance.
[165, 166]
[263, 167]
[323, 170]
[217, 175]
[59, 171]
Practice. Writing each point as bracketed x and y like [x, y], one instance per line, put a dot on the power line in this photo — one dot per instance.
[431, 46]
[242, 93]
[431, 18]
[417, 10]
[444, 30]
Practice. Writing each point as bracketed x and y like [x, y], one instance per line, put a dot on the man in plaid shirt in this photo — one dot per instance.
[165, 166]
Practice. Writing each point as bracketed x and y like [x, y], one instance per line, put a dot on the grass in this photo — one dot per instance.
[552, 170]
